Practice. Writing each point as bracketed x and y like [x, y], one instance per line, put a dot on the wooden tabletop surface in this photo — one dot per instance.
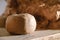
[4, 35]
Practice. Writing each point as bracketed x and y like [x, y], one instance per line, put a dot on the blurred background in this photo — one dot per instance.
[2, 6]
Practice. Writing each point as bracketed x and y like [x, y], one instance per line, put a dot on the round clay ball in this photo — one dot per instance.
[21, 24]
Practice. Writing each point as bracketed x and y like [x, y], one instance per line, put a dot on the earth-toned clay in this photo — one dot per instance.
[43, 10]
[21, 24]
[2, 21]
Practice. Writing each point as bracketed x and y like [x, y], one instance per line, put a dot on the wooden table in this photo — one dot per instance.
[37, 35]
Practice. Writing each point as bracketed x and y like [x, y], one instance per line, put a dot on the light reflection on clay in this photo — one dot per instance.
[58, 15]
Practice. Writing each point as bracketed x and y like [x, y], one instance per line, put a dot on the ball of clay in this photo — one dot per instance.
[21, 24]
